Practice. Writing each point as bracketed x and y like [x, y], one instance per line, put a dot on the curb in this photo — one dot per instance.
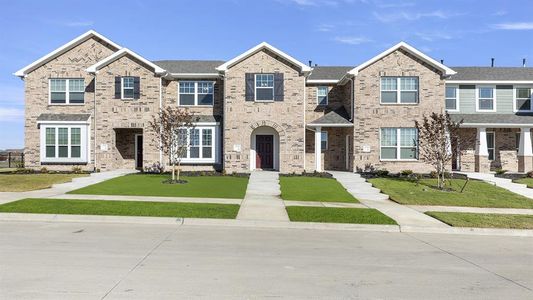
[22, 217]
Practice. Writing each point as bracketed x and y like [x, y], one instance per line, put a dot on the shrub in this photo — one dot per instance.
[406, 172]
[155, 168]
[433, 174]
[24, 171]
[382, 173]
[500, 171]
[529, 174]
[77, 170]
[44, 170]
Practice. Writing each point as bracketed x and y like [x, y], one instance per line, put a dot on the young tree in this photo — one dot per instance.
[174, 126]
[436, 135]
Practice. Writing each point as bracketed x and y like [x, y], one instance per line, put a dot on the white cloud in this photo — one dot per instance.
[433, 36]
[384, 4]
[11, 114]
[514, 26]
[320, 2]
[352, 40]
[409, 16]
[325, 27]
[78, 23]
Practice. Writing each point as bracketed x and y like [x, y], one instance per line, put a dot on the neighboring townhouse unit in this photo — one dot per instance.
[89, 104]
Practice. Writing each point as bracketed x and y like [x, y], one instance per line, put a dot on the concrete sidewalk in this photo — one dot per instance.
[148, 198]
[505, 183]
[62, 188]
[371, 197]
[262, 201]
[480, 210]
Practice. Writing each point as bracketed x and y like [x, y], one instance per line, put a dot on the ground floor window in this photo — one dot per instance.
[399, 143]
[323, 140]
[64, 143]
[490, 145]
[200, 143]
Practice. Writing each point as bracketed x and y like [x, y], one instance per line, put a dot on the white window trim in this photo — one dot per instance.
[398, 146]
[493, 144]
[515, 109]
[399, 90]
[122, 88]
[214, 144]
[196, 93]
[493, 98]
[273, 87]
[322, 134]
[327, 95]
[67, 91]
[84, 144]
[456, 98]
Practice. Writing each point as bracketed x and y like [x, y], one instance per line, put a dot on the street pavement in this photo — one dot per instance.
[52, 260]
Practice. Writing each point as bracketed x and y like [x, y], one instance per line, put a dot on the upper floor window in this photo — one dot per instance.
[264, 87]
[127, 87]
[399, 90]
[452, 103]
[67, 91]
[485, 99]
[196, 93]
[322, 95]
[399, 144]
[523, 98]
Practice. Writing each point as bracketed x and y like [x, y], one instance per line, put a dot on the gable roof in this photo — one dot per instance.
[328, 74]
[264, 45]
[492, 73]
[410, 49]
[120, 53]
[66, 47]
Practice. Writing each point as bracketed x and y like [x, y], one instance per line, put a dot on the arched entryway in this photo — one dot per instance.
[264, 149]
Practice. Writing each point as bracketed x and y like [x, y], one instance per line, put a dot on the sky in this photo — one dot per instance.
[328, 32]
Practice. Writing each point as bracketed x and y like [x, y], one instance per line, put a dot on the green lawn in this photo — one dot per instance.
[152, 185]
[122, 208]
[527, 181]
[30, 182]
[457, 219]
[337, 215]
[304, 188]
[476, 193]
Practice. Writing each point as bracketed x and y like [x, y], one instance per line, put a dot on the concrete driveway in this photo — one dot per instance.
[117, 261]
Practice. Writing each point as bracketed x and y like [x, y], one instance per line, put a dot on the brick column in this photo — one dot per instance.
[525, 152]
[482, 162]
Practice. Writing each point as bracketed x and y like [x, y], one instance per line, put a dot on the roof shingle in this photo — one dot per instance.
[492, 73]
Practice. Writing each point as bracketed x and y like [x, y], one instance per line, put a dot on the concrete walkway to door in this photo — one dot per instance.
[262, 201]
[371, 197]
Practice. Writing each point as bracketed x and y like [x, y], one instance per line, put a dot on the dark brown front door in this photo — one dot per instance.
[139, 151]
[264, 145]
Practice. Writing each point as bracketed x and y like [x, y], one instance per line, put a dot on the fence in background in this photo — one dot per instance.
[11, 160]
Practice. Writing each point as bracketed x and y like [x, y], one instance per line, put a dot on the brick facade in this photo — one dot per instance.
[370, 115]
[115, 122]
[242, 117]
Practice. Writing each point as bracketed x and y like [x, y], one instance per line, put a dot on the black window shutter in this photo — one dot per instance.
[250, 86]
[278, 87]
[136, 87]
[117, 88]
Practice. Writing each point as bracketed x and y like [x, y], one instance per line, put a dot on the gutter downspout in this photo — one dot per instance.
[305, 127]
[160, 127]
[94, 124]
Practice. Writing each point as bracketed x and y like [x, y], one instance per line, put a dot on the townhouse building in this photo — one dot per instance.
[89, 102]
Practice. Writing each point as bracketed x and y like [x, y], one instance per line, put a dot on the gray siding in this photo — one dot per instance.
[467, 100]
